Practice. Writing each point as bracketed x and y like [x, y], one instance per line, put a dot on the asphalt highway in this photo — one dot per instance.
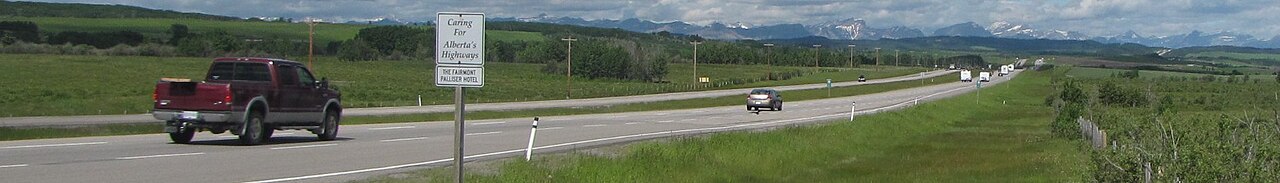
[369, 150]
[146, 118]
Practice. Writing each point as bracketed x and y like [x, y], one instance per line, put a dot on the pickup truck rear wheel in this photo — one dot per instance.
[330, 127]
[253, 130]
[183, 136]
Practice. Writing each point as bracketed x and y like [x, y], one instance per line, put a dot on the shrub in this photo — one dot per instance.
[1110, 93]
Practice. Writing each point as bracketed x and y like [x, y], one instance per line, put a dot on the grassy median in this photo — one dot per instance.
[1001, 138]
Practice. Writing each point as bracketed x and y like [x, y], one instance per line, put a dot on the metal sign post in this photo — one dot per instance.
[459, 64]
[828, 87]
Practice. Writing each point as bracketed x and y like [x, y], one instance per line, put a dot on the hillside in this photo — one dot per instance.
[41, 9]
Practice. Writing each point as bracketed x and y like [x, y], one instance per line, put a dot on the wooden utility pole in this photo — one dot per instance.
[695, 60]
[311, 39]
[769, 51]
[569, 69]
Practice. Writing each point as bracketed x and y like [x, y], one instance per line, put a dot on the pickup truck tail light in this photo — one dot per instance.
[227, 99]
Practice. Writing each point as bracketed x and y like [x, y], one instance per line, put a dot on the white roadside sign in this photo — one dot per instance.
[460, 38]
[459, 49]
[464, 76]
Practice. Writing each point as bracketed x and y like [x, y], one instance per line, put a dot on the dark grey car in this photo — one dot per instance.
[764, 98]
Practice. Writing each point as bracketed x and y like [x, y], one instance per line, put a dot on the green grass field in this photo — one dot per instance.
[1002, 138]
[90, 85]
[1089, 72]
[1244, 56]
[158, 28]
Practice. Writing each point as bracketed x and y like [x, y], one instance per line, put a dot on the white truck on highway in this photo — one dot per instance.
[1005, 70]
[965, 76]
[984, 77]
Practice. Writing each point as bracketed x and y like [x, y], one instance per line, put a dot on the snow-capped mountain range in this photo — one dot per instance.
[859, 29]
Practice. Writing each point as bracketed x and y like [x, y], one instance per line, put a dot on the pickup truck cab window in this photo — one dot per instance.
[235, 71]
[305, 77]
[287, 75]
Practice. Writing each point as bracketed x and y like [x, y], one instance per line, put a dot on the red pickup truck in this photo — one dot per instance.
[251, 97]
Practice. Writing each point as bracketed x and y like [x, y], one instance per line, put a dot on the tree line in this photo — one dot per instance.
[600, 53]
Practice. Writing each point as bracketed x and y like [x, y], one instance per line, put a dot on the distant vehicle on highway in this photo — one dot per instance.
[764, 98]
[1005, 70]
[984, 77]
[251, 97]
[966, 76]
[862, 78]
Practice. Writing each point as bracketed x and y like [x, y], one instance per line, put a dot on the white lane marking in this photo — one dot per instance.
[306, 146]
[621, 116]
[403, 139]
[53, 145]
[158, 156]
[13, 166]
[590, 126]
[631, 123]
[688, 119]
[552, 128]
[666, 121]
[662, 114]
[485, 133]
[393, 128]
[489, 123]
[716, 117]
[556, 145]
[228, 136]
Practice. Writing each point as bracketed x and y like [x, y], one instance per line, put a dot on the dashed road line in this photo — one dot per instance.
[13, 166]
[306, 146]
[484, 133]
[631, 123]
[551, 128]
[666, 121]
[403, 139]
[158, 156]
[393, 128]
[53, 145]
[591, 126]
[489, 123]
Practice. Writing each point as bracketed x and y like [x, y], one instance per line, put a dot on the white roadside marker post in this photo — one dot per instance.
[852, 109]
[528, 151]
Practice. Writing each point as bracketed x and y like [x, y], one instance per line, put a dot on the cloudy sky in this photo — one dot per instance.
[1093, 17]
